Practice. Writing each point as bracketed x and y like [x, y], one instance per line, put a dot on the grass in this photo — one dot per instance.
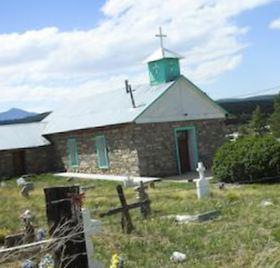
[245, 235]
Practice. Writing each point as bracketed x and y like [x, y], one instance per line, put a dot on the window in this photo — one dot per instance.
[101, 151]
[72, 152]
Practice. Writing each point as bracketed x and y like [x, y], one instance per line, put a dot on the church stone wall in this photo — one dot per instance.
[137, 149]
[156, 147]
[37, 160]
[121, 150]
[6, 164]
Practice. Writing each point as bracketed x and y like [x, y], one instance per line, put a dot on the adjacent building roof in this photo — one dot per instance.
[163, 53]
[104, 109]
[25, 120]
[19, 136]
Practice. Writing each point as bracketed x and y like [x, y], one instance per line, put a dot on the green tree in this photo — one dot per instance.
[243, 130]
[257, 124]
[274, 119]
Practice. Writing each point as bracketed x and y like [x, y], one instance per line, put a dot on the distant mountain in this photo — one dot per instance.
[242, 109]
[14, 114]
[255, 98]
[29, 119]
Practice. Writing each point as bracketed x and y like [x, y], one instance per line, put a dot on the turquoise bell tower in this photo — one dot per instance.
[163, 64]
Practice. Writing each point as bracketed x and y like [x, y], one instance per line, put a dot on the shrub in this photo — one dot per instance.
[247, 159]
[275, 118]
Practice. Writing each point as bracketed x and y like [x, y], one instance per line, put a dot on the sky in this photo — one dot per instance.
[52, 52]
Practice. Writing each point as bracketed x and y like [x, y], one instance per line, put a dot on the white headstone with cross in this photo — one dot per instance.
[90, 227]
[202, 186]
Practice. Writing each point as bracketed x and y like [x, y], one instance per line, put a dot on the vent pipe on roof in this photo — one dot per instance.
[129, 90]
[126, 86]
[131, 96]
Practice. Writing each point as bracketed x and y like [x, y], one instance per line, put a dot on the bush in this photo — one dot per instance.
[247, 159]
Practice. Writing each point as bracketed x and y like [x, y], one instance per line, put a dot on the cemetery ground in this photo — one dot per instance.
[246, 234]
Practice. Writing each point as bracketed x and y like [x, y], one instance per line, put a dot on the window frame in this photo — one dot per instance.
[72, 142]
[97, 149]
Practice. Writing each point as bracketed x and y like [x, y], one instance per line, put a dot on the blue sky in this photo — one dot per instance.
[20, 16]
[260, 66]
[53, 51]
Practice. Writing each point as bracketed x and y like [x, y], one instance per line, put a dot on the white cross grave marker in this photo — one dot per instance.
[90, 227]
[202, 186]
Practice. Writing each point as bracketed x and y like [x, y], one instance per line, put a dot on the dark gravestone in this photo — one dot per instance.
[65, 222]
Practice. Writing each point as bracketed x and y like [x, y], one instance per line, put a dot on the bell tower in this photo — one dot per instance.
[163, 64]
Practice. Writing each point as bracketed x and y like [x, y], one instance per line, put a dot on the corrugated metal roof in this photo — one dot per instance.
[103, 109]
[22, 136]
[163, 53]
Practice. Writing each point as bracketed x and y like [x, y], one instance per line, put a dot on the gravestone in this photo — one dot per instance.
[63, 209]
[202, 186]
[91, 227]
[143, 197]
[26, 189]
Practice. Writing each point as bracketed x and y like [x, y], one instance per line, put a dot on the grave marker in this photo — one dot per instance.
[145, 208]
[90, 227]
[202, 184]
[126, 222]
[65, 221]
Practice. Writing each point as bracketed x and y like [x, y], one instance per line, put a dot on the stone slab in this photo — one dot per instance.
[106, 177]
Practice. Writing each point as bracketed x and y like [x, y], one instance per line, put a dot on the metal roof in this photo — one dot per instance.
[103, 109]
[163, 53]
[19, 136]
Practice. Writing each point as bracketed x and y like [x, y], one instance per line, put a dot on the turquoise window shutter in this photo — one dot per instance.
[72, 151]
[101, 151]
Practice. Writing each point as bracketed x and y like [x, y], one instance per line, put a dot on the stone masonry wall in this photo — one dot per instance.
[6, 164]
[137, 149]
[121, 150]
[156, 147]
[37, 160]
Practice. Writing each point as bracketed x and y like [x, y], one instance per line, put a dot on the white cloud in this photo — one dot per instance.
[275, 24]
[44, 66]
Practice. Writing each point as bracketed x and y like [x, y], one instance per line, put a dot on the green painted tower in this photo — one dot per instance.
[163, 65]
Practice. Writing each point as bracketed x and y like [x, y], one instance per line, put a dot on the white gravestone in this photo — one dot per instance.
[129, 182]
[91, 227]
[202, 186]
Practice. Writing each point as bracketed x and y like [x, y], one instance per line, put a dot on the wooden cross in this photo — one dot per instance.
[161, 36]
[126, 222]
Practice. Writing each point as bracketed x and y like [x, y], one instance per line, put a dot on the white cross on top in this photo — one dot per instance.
[161, 36]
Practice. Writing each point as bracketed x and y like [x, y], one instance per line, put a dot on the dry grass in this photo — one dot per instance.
[245, 235]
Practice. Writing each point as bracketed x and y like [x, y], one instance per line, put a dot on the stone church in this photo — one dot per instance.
[160, 128]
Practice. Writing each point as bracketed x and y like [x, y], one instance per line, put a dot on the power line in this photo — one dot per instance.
[256, 92]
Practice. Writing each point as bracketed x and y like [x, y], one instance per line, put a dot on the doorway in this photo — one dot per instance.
[186, 149]
[19, 162]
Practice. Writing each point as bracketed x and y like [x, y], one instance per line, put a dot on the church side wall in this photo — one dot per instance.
[157, 150]
[6, 164]
[122, 154]
[37, 160]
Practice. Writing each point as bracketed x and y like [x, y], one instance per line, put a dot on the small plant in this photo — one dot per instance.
[232, 197]
[247, 159]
